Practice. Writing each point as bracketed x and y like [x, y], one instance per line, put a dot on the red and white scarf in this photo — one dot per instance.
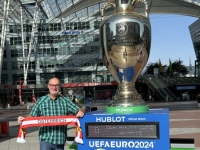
[50, 121]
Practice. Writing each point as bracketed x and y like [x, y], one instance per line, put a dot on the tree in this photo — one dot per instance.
[170, 69]
[151, 66]
[176, 68]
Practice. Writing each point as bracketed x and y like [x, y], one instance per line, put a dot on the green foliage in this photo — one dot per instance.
[179, 68]
[176, 67]
[151, 66]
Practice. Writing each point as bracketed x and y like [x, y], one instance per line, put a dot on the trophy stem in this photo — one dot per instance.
[127, 95]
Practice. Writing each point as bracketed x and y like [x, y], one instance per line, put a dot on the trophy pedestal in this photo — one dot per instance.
[126, 110]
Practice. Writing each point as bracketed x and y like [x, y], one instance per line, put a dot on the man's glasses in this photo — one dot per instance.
[54, 85]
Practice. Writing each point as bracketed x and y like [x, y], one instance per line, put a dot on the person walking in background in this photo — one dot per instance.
[88, 102]
[150, 97]
[74, 99]
[198, 100]
[53, 104]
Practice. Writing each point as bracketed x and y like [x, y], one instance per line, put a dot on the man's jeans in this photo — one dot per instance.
[48, 146]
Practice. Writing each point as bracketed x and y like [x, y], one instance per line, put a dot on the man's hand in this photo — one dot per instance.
[80, 113]
[20, 119]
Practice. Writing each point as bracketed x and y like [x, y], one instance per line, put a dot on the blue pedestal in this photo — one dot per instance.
[142, 131]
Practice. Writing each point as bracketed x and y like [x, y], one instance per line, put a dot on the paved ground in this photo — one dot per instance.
[184, 123]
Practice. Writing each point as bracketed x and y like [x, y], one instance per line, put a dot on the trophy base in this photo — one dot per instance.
[126, 110]
[126, 95]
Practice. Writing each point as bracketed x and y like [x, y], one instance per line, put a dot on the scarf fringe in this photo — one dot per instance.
[21, 136]
[78, 140]
[21, 140]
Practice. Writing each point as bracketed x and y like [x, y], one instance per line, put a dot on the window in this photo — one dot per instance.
[15, 28]
[20, 65]
[4, 78]
[68, 26]
[4, 54]
[4, 66]
[15, 41]
[32, 65]
[27, 28]
[97, 24]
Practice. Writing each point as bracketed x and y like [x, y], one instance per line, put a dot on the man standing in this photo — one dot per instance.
[150, 98]
[53, 104]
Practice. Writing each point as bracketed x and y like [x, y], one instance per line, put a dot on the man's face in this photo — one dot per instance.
[54, 86]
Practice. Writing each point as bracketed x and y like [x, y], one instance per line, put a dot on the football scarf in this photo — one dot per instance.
[50, 121]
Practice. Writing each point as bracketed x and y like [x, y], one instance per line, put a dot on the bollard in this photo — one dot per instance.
[5, 127]
[71, 143]
[27, 105]
[198, 103]
[0, 127]
[182, 144]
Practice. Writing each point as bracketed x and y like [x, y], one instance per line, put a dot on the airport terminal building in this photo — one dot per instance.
[195, 36]
[39, 41]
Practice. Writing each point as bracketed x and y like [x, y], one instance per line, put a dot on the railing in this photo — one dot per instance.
[162, 85]
[157, 85]
[157, 92]
[179, 80]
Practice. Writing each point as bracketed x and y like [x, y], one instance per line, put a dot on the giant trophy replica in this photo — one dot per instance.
[127, 122]
[125, 42]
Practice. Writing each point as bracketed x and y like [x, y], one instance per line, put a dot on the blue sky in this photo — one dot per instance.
[171, 39]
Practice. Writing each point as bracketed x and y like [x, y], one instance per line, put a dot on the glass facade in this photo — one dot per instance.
[195, 36]
[68, 48]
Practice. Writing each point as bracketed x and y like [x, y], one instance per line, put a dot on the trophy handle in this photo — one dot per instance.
[146, 6]
[110, 3]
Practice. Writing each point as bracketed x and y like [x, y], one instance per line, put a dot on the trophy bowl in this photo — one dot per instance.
[125, 39]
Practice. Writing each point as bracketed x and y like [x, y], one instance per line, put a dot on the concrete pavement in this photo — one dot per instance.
[184, 123]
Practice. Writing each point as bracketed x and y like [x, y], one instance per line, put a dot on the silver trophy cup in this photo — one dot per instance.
[125, 42]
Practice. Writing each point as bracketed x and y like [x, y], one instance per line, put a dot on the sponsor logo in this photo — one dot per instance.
[121, 144]
[110, 119]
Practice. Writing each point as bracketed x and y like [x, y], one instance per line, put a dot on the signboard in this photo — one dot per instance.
[23, 86]
[136, 130]
[185, 87]
[87, 84]
[72, 32]
[141, 131]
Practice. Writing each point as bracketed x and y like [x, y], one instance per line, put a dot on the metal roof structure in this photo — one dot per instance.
[26, 12]
[78, 8]
[182, 7]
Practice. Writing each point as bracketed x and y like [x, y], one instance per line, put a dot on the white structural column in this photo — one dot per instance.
[27, 59]
[66, 79]
[3, 32]
[22, 35]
